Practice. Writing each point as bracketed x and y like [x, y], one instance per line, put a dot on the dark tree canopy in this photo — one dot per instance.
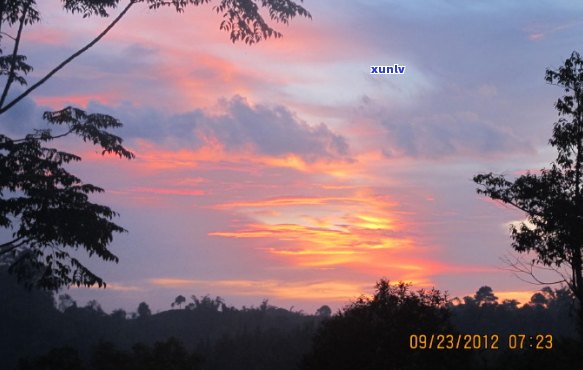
[178, 301]
[46, 214]
[552, 198]
[485, 295]
[373, 333]
[144, 310]
[324, 311]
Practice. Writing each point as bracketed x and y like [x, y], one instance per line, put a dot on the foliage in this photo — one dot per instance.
[373, 333]
[49, 208]
[144, 310]
[227, 339]
[485, 295]
[206, 303]
[241, 18]
[46, 209]
[178, 301]
[552, 199]
[555, 317]
[324, 312]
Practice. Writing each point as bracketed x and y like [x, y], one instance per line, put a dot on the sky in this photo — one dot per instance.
[285, 170]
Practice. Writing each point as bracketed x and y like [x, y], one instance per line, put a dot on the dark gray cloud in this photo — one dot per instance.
[22, 118]
[447, 124]
[436, 136]
[269, 130]
[272, 130]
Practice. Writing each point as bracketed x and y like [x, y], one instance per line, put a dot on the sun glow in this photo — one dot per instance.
[372, 222]
[339, 291]
[356, 229]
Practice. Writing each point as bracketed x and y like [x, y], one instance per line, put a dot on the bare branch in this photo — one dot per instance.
[519, 267]
[11, 74]
[8, 35]
[69, 59]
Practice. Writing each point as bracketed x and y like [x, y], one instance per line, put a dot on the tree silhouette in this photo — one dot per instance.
[324, 312]
[206, 303]
[119, 314]
[49, 209]
[538, 299]
[485, 295]
[46, 208]
[144, 310]
[374, 333]
[178, 301]
[552, 199]
[511, 304]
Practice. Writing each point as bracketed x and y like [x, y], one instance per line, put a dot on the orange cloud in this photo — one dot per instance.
[172, 282]
[357, 230]
[198, 79]
[124, 288]
[286, 201]
[167, 191]
[152, 157]
[339, 291]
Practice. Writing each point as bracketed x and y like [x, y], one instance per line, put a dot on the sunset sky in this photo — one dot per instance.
[285, 170]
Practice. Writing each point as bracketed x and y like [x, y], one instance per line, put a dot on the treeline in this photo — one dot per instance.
[33, 324]
[205, 333]
[549, 311]
[376, 332]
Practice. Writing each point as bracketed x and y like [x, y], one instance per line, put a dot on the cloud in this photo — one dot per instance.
[447, 121]
[355, 231]
[22, 118]
[306, 290]
[237, 127]
[440, 135]
[270, 130]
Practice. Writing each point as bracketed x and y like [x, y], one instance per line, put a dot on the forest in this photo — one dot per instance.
[41, 331]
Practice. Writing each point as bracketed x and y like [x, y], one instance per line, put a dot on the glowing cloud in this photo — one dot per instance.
[339, 291]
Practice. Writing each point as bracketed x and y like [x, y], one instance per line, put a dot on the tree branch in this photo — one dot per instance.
[519, 267]
[69, 59]
[2, 5]
[8, 35]
[51, 137]
[10, 246]
[14, 54]
[515, 205]
[528, 212]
